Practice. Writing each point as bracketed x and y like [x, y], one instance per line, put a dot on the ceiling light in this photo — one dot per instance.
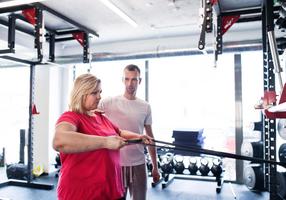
[119, 12]
[10, 3]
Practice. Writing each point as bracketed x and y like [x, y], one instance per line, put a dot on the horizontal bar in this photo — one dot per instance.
[15, 8]
[218, 153]
[67, 19]
[5, 51]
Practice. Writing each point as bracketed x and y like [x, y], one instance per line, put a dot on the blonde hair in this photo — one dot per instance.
[83, 85]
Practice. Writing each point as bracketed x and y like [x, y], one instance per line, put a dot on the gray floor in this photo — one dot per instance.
[179, 189]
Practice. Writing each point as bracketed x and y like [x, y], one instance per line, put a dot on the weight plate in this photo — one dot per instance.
[282, 153]
[281, 184]
[282, 128]
[252, 149]
[253, 177]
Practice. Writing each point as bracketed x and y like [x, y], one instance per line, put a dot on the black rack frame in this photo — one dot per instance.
[52, 36]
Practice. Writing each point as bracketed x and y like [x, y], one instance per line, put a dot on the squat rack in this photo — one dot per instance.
[266, 13]
[33, 14]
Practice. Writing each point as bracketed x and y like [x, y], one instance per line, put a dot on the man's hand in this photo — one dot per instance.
[156, 175]
[146, 139]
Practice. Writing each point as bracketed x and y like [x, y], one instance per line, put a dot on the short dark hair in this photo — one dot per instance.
[132, 67]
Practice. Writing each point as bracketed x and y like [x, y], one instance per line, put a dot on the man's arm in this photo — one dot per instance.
[153, 154]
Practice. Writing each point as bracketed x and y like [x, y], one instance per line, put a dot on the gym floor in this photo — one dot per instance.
[179, 189]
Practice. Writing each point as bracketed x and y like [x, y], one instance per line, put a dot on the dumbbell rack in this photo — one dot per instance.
[168, 178]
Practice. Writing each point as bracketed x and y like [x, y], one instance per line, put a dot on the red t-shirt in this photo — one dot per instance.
[93, 175]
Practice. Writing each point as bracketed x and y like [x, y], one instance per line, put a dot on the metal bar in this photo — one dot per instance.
[18, 60]
[31, 119]
[15, 8]
[3, 22]
[215, 153]
[52, 47]
[269, 85]
[67, 19]
[65, 32]
[86, 51]
[39, 34]
[21, 17]
[11, 32]
[253, 10]
[7, 51]
[64, 39]
[147, 80]
[275, 57]
[238, 116]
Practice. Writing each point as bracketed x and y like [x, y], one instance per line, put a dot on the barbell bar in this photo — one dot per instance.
[214, 153]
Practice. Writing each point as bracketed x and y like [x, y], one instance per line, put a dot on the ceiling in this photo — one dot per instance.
[162, 26]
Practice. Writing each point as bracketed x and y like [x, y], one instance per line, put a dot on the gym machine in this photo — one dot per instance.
[266, 14]
[33, 14]
[29, 182]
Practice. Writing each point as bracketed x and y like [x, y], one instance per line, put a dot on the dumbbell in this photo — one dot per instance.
[216, 168]
[193, 168]
[167, 164]
[204, 167]
[179, 164]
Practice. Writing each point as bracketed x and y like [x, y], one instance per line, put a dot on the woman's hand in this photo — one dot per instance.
[115, 142]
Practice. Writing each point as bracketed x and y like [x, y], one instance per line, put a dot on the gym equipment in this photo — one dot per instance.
[22, 145]
[58, 164]
[17, 171]
[204, 167]
[281, 126]
[253, 177]
[148, 163]
[179, 164]
[2, 158]
[216, 168]
[252, 149]
[282, 153]
[281, 184]
[38, 170]
[256, 126]
[189, 137]
[29, 183]
[167, 164]
[193, 167]
[58, 160]
[216, 153]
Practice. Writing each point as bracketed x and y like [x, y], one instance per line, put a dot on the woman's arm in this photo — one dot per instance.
[68, 140]
[129, 135]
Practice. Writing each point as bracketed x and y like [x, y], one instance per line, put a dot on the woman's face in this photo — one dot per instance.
[93, 98]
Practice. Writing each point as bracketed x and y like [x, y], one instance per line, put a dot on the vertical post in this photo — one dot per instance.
[238, 116]
[22, 145]
[31, 123]
[269, 85]
[146, 80]
[52, 47]
[39, 33]
[11, 32]
[86, 53]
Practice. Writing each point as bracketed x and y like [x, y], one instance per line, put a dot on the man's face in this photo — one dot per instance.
[131, 80]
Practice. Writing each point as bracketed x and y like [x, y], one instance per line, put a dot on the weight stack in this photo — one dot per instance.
[188, 138]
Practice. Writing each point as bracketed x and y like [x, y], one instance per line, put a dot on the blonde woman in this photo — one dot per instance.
[89, 145]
